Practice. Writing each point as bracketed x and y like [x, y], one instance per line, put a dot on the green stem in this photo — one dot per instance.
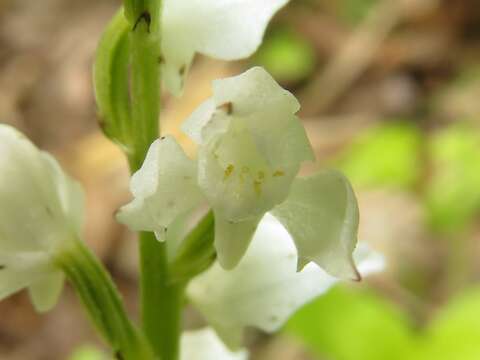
[161, 299]
[102, 301]
[135, 125]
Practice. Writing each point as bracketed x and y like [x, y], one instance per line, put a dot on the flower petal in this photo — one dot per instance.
[194, 125]
[321, 214]
[12, 282]
[252, 144]
[251, 148]
[32, 215]
[20, 270]
[45, 292]
[253, 91]
[205, 345]
[70, 193]
[232, 239]
[265, 289]
[224, 29]
[164, 189]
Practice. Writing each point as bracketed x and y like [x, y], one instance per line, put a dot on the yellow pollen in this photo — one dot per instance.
[228, 171]
[257, 186]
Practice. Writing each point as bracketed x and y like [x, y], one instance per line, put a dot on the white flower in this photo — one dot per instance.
[223, 29]
[204, 345]
[40, 212]
[265, 289]
[164, 189]
[251, 146]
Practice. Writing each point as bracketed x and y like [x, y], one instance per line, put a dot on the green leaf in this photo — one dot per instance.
[286, 55]
[386, 155]
[354, 11]
[455, 333]
[453, 197]
[348, 324]
[87, 352]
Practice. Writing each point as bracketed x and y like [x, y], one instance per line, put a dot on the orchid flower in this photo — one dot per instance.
[41, 214]
[204, 344]
[223, 29]
[265, 289]
[251, 146]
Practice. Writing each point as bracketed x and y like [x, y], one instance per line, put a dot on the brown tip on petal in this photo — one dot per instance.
[227, 107]
[301, 263]
[356, 274]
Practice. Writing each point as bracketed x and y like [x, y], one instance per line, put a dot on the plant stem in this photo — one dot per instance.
[102, 301]
[161, 298]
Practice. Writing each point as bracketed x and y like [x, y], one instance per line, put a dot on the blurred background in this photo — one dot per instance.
[390, 94]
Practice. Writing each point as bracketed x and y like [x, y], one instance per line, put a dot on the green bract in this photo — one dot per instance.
[251, 146]
[41, 213]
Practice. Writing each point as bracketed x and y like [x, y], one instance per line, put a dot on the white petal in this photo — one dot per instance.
[251, 148]
[12, 282]
[237, 180]
[232, 239]
[224, 29]
[70, 193]
[198, 119]
[32, 212]
[164, 188]
[18, 271]
[252, 144]
[265, 289]
[205, 345]
[253, 91]
[321, 214]
[45, 292]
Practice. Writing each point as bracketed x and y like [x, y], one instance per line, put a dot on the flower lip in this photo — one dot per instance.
[265, 289]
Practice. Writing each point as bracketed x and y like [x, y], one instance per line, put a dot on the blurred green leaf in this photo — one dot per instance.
[386, 155]
[459, 98]
[286, 55]
[348, 324]
[87, 352]
[455, 333]
[353, 11]
[453, 196]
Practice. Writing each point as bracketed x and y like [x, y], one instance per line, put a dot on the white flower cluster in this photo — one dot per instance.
[293, 236]
[280, 240]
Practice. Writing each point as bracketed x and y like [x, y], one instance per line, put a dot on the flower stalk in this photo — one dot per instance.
[161, 299]
[100, 297]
